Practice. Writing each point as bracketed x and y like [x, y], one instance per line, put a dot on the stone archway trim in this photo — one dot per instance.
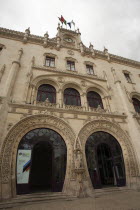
[123, 139]
[14, 136]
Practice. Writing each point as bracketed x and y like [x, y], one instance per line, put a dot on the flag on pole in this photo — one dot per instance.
[62, 20]
[72, 22]
[69, 24]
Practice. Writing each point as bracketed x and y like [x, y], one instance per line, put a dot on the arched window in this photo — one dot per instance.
[72, 97]
[46, 91]
[136, 104]
[94, 99]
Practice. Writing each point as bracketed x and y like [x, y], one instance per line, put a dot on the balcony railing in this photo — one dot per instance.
[74, 108]
[47, 104]
[97, 110]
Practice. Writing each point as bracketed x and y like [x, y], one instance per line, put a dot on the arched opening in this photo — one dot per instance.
[46, 91]
[94, 99]
[41, 162]
[72, 97]
[136, 104]
[105, 160]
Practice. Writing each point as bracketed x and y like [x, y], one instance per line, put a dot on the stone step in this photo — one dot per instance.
[35, 198]
[109, 190]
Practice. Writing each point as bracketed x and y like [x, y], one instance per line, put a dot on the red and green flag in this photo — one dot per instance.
[62, 20]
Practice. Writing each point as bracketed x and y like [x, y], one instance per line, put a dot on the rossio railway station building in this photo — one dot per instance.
[69, 116]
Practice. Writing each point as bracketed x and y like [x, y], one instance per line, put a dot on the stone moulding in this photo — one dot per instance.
[52, 42]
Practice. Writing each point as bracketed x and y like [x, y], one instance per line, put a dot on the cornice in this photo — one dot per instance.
[16, 35]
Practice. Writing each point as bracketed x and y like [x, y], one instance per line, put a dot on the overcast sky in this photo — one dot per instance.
[114, 24]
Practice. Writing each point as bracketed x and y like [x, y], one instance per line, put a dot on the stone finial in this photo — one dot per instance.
[107, 54]
[46, 35]
[2, 71]
[91, 47]
[58, 30]
[27, 30]
[26, 35]
[58, 26]
[105, 50]
[77, 30]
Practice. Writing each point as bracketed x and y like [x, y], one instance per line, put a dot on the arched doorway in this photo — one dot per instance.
[41, 162]
[105, 160]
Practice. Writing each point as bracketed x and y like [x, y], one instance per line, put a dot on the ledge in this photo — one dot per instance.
[69, 109]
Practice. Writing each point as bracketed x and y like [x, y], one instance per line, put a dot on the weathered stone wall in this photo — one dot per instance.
[24, 72]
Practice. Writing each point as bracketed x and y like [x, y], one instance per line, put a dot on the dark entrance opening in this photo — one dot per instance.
[41, 162]
[105, 160]
[105, 164]
[41, 172]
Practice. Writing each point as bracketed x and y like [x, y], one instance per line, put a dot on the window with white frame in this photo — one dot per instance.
[89, 69]
[71, 65]
[50, 61]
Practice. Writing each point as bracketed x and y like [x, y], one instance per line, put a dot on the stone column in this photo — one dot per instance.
[29, 79]
[106, 100]
[32, 94]
[60, 98]
[84, 101]
[12, 75]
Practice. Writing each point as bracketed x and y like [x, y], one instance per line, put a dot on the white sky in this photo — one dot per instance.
[114, 24]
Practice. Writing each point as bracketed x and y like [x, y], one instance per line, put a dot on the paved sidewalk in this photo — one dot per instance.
[116, 201]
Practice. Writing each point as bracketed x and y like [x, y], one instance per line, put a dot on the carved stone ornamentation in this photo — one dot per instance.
[107, 54]
[83, 83]
[120, 135]
[60, 80]
[71, 107]
[70, 52]
[46, 36]
[9, 149]
[26, 35]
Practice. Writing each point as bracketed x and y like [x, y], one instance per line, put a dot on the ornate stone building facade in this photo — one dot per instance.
[69, 116]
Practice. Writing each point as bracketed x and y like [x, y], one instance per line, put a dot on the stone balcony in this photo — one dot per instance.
[72, 108]
[82, 112]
